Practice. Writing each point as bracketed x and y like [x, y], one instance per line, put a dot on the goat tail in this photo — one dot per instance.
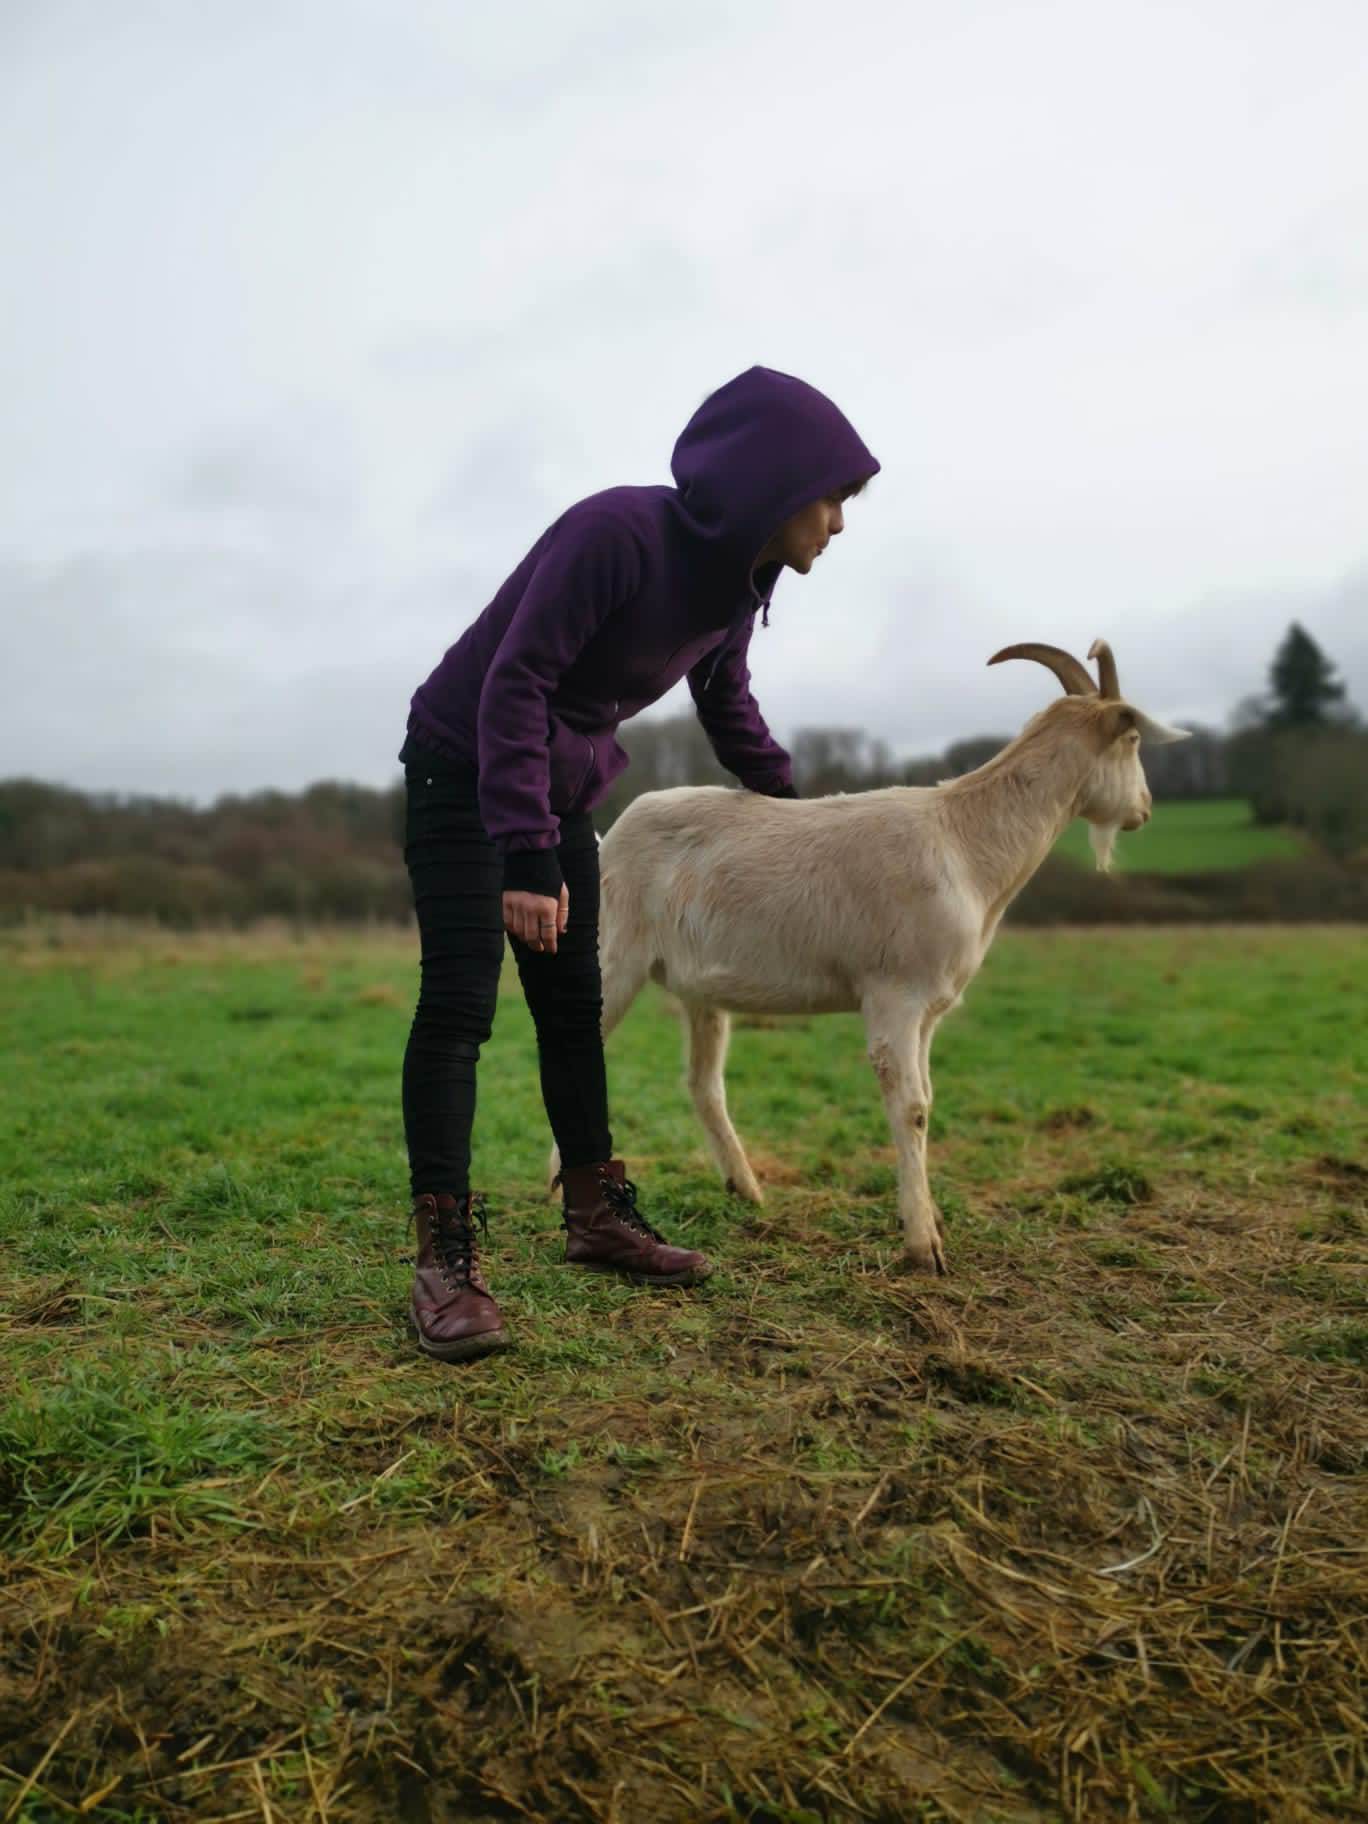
[624, 953]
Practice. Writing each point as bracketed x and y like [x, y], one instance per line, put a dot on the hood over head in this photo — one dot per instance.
[755, 452]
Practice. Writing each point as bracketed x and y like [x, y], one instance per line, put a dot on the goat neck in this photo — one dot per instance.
[1009, 813]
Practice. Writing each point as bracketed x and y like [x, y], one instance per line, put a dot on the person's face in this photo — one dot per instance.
[801, 540]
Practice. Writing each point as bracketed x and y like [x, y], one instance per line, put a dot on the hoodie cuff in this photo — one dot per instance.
[783, 791]
[533, 871]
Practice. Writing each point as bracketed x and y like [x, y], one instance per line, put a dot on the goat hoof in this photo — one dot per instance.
[929, 1259]
[746, 1189]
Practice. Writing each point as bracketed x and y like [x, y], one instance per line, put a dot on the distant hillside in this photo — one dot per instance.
[333, 853]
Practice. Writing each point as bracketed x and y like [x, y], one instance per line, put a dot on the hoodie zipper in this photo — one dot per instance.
[738, 621]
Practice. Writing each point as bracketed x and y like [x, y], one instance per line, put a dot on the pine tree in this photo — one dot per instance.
[1304, 688]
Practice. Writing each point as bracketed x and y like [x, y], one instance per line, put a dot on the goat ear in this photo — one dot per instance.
[1116, 720]
[1159, 732]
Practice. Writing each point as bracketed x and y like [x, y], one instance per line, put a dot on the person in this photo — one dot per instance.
[510, 745]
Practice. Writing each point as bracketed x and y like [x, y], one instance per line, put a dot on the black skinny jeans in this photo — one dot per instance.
[457, 880]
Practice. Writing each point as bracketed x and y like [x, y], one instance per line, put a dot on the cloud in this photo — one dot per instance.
[320, 314]
[207, 669]
[299, 465]
[493, 485]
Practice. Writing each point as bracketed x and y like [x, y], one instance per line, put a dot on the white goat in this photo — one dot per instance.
[882, 901]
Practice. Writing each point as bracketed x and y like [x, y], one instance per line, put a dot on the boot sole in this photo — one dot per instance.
[692, 1276]
[484, 1342]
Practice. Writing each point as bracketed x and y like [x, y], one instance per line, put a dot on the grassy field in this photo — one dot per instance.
[1078, 1533]
[1189, 838]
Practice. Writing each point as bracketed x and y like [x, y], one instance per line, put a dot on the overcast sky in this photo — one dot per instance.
[315, 312]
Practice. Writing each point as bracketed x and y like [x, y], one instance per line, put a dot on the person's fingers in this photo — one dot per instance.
[535, 919]
[563, 910]
[547, 917]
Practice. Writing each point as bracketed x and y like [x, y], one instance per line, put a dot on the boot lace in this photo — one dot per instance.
[453, 1239]
[622, 1200]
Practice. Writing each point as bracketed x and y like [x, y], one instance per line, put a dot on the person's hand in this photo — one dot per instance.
[535, 920]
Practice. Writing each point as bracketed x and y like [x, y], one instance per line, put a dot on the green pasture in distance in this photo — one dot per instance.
[1188, 837]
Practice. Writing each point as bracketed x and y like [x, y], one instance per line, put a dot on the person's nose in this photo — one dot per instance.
[837, 522]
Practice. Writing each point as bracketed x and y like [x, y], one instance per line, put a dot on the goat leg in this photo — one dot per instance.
[893, 1025]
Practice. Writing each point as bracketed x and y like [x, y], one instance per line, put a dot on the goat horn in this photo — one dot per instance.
[1106, 669]
[1072, 674]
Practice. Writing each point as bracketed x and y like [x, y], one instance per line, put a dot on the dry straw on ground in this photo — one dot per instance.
[979, 1562]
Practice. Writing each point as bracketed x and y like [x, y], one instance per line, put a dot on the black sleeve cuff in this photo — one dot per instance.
[784, 791]
[532, 871]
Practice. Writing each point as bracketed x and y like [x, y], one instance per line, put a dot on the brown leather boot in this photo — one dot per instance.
[607, 1233]
[451, 1307]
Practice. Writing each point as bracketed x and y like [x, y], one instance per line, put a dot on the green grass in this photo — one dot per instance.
[1190, 837]
[818, 1540]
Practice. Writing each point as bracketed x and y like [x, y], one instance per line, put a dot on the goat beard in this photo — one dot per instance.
[1103, 836]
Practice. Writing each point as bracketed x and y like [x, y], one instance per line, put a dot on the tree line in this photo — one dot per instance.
[333, 852]
[1300, 752]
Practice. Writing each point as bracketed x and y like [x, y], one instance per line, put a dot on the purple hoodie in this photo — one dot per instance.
[627, 592]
